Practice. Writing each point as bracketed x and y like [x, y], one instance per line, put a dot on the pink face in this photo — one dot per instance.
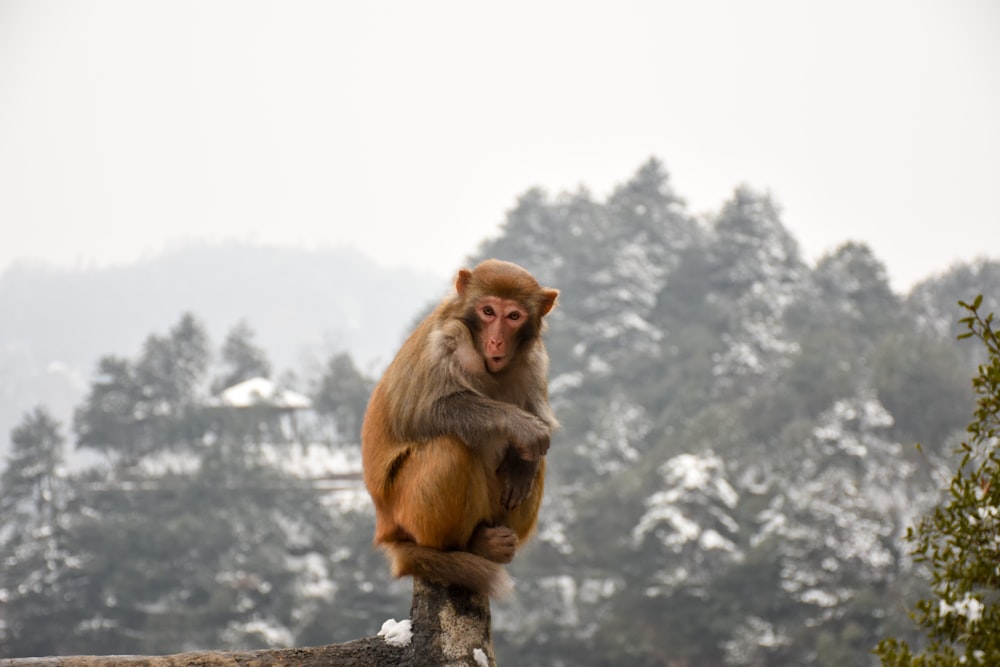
[500, 319]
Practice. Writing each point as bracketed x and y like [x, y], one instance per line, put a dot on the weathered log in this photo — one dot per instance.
[450, 627]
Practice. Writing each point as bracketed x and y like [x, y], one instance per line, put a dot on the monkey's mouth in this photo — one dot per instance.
[495, 364]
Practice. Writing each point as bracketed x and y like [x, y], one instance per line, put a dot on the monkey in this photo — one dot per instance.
[456, 431]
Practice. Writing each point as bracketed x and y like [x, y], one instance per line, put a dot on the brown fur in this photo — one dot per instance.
[453, 453]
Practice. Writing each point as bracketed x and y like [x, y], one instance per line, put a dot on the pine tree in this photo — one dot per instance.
[136, 408]
[242, 358]
[960, 539]
[755, 269]
[36, 570]
[171, 368]
[343, 395]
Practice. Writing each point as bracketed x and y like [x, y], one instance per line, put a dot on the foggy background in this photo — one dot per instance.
[405, 130]
[759, 216]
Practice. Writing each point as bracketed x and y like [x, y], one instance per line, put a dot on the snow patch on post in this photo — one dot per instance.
[396, 634]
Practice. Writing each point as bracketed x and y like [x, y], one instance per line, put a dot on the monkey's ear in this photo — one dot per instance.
[462, 281]
[548, 301]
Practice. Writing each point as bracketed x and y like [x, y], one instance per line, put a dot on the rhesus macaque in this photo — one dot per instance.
[455, 435]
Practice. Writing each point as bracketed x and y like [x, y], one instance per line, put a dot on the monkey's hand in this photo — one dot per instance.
[531, 439]
[518, 477]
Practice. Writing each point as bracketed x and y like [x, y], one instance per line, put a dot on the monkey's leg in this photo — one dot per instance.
[500, 541]
[442, 494]
[523, 518]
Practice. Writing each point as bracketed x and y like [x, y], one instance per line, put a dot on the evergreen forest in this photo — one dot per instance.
[732, 483]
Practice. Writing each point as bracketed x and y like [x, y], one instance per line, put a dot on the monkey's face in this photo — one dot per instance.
[499, 321]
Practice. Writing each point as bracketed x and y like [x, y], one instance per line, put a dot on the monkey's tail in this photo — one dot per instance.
[460, 568]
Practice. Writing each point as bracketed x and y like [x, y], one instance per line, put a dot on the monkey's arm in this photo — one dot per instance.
[444, 392]
[477, 419]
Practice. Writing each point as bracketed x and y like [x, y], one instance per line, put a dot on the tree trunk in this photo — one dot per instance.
[450, 627]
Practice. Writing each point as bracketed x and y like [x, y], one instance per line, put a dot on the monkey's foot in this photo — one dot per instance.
[497, 543]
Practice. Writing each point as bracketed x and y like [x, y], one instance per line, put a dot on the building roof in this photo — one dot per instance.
[262, 391]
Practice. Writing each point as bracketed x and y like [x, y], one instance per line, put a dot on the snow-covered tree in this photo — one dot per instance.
[37, 568]
[755, 272]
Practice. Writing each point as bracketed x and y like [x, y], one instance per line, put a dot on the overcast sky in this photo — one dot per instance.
[407, 129]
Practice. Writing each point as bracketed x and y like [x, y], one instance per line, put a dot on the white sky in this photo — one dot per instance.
[407, 129]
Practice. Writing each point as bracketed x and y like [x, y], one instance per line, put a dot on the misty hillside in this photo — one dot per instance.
[736, 467]
[302, 305]
[731, 484]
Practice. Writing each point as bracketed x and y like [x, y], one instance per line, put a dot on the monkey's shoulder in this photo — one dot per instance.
[453, 342]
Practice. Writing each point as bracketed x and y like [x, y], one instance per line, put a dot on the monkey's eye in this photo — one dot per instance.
[515, 315]
[488, 311]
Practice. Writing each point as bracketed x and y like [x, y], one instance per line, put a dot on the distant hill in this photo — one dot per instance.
[303, 305]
